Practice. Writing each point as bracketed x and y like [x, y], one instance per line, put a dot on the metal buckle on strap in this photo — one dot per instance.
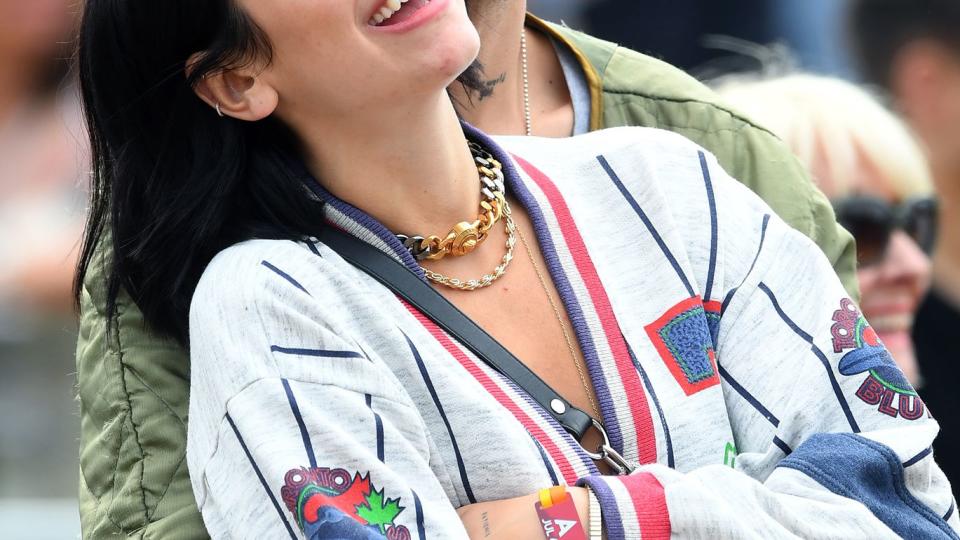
[608, 455]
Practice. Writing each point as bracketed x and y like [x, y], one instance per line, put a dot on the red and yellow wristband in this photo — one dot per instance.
[558, 515]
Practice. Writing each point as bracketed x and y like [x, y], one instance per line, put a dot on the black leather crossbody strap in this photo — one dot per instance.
[402, 281]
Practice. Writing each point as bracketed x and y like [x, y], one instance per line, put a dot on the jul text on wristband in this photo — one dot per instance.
[558, 515]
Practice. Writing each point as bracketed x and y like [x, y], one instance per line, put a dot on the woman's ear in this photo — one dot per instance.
[238, 93]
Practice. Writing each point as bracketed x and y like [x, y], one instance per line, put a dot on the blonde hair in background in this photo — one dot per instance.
[834, 126]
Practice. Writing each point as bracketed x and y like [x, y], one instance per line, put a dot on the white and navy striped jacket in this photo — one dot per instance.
[725, 355]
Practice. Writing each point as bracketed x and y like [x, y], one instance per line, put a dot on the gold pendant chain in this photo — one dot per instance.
[563, 327]
[487, 279]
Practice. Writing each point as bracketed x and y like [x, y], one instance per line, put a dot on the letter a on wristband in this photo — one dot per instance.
[559, 518]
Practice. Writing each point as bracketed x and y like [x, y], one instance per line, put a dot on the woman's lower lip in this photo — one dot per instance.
[422, 16]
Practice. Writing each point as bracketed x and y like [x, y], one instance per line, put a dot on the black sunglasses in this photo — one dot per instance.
[872, 221]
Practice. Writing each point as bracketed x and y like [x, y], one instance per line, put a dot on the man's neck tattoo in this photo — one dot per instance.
[490, 85]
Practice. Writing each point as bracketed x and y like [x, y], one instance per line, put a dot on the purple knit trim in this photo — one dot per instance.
[369, 223]
[612, 523]
[569, 298]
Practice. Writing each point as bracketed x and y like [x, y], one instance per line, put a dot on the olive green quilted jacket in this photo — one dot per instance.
[133, 387]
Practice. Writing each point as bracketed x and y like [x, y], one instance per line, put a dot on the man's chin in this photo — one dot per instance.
[478, 9]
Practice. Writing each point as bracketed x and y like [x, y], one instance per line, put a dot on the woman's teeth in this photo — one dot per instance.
[387, 10]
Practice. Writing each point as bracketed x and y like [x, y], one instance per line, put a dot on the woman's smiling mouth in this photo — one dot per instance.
[396, 11]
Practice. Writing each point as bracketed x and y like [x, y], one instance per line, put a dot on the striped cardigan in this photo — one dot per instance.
[726, 359]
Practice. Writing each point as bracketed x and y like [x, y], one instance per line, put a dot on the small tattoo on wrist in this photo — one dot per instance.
[485, 522]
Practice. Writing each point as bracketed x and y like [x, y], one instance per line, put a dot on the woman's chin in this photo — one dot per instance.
[444, 48]
[452, 59]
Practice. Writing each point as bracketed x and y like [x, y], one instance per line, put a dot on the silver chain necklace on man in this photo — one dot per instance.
[527, 116]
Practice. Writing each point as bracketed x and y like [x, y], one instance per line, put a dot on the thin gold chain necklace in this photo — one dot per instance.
[563, 327]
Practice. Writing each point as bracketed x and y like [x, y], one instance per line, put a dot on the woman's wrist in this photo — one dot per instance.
[516, 518]
[581, 498]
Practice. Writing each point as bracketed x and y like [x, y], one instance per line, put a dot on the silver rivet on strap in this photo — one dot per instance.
[558, 406]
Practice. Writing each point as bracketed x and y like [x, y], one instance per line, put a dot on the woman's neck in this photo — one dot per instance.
[408, 167]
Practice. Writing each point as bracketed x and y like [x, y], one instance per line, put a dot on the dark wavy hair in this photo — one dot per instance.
[172, 183]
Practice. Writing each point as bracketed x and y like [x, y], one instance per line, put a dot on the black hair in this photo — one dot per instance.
[172, 183]
[881, 28]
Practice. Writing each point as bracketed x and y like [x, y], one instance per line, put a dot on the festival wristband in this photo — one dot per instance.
[558, 515]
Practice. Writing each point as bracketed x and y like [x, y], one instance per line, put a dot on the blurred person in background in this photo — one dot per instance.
[42, 188]
[40, 162]
[911, 48]
[869, 165]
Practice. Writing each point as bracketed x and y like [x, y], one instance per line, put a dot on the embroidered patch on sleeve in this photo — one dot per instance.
[684, 339]
[332, 503]
[885, 386]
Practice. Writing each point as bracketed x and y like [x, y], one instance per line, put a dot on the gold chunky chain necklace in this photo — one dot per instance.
[487, 279]
[466, 235]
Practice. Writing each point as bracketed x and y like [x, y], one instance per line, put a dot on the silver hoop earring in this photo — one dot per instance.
[219, 112]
